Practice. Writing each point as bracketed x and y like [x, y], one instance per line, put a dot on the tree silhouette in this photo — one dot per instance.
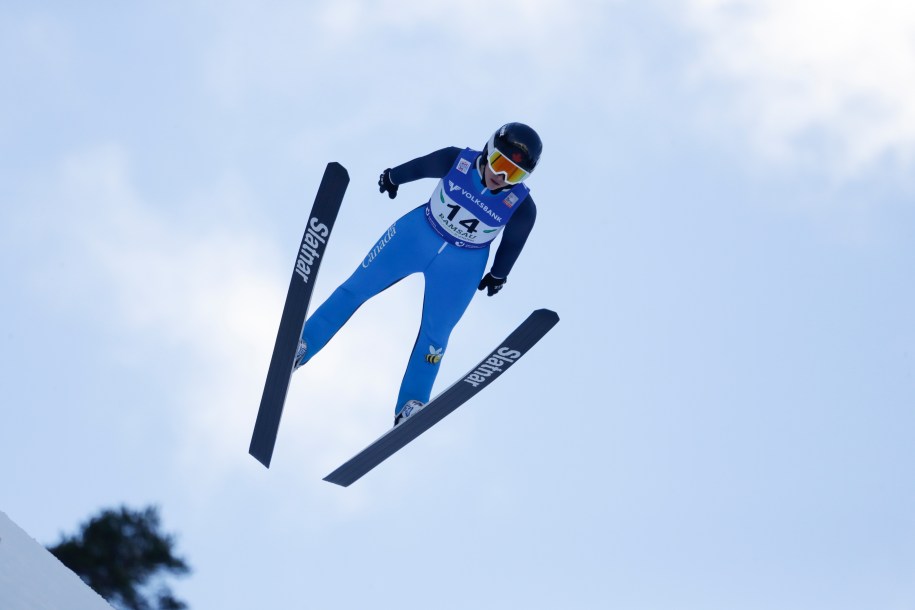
[122, 555]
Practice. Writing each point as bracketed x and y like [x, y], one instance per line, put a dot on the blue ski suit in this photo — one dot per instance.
[447, 239]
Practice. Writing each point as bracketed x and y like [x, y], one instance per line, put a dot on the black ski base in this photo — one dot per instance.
[497, 362]
[308, 261]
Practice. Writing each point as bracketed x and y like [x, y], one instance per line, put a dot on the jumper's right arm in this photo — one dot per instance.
[433, 165]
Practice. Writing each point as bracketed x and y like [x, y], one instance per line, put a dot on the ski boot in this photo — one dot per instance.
[299, 355]
[410, 408]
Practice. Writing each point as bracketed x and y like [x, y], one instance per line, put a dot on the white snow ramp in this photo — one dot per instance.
[31, 578]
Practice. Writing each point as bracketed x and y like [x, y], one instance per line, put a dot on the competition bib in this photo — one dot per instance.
[466, 213]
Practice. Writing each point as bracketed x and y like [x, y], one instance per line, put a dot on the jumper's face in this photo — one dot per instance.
[493, 180]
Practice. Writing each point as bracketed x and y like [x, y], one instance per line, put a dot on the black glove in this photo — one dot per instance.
[385, 184]
[492, 284]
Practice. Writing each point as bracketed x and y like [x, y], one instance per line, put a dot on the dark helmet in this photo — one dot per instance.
[519, 143]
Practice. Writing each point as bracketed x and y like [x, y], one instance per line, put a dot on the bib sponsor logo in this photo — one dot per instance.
[463, 166]
[469, 195]
[511, 200]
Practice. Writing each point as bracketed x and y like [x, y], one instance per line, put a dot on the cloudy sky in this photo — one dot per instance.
[722, 419]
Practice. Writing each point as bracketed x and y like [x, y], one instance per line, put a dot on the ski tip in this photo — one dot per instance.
[547, 314]
[337, 168]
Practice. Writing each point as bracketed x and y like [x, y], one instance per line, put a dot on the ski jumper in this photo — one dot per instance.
[447, 239]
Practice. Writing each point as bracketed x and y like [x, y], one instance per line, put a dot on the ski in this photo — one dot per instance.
[488, 370]
[308, 261]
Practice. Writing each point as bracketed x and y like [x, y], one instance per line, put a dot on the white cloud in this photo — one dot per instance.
[297, 50]
[824, 81]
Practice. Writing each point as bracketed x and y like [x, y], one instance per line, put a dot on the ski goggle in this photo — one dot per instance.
[501, 164]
